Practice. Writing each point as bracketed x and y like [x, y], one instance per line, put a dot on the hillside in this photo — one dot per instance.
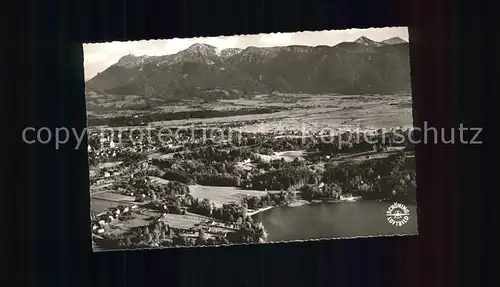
[202, 71]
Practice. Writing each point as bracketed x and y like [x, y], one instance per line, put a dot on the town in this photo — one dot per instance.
[191, 187]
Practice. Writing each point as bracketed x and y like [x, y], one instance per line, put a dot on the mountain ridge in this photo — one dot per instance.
[362, 66]
[394, 41]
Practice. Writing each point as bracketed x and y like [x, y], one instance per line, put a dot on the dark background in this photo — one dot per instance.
[451, 84]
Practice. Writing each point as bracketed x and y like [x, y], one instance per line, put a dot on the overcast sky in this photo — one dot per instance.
[98, 57]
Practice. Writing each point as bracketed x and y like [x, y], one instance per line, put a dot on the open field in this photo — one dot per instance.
[286, 155]
[98, 205]
[118, 227]
[312, 113]
[309, 113]
[183, 221]
[103, 201]
[222, 194]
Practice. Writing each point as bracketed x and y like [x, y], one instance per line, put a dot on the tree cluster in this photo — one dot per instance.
[393, 177]
[284, 178]
[270, 199]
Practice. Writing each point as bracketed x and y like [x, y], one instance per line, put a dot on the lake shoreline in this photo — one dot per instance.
[302, 202]
[257, 211]
[296, 203]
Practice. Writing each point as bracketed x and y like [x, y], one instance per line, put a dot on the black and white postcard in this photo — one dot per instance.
[250, 139]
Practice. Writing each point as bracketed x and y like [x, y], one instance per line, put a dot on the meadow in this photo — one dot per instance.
[101, 202]
[309, 113]
[220, 195]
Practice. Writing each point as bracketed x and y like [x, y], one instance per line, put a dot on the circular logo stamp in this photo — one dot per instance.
[398, 214]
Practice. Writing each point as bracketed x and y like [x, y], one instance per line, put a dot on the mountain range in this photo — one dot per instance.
[362, 66]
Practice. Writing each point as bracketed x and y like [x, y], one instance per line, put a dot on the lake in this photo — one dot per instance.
[327, 220]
